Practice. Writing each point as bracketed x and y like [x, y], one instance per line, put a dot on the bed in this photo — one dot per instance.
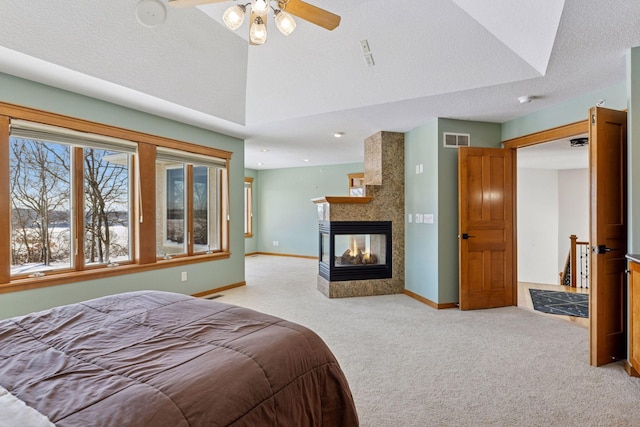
[163, 359]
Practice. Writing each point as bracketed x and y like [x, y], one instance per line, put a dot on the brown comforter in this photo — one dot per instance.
[164, 359]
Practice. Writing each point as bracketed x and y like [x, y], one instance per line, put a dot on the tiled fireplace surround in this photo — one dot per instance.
[384, 201]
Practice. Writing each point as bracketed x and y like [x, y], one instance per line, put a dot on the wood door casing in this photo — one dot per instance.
[485, 203]
[608, 237]
[634, 312]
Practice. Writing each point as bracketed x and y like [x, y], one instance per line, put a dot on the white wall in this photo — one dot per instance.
[552, 205]
[538, 226]
[573, 205]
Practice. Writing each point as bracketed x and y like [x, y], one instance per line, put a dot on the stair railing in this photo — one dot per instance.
[577, 264]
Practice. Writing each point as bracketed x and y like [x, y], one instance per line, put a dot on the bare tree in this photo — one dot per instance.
[106, 195]
[40, 188]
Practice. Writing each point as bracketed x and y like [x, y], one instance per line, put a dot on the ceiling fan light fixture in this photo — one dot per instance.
[234, 16]
[260, 7]
[258, 31]
[285, 22]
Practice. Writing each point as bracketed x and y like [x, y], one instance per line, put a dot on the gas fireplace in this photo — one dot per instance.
[355, 250]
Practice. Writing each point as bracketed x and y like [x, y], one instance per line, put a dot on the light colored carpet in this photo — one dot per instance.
[411, 365]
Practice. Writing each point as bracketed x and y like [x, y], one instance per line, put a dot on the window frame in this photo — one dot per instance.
[248, 207]
[69, 203]
[143, 200]
[81, 255]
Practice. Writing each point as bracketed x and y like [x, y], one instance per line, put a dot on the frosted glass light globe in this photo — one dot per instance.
[258, 32]
[234, 16]
[260, 7]
[285, 22]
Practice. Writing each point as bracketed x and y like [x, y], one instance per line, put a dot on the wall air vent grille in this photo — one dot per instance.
[455, 140]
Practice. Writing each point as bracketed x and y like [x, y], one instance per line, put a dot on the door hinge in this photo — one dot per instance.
[593, 119]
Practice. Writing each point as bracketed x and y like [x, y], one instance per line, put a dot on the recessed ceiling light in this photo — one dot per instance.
[305, 160]
[264, 150]
[525, 99]
[260, 164]
[338, 134]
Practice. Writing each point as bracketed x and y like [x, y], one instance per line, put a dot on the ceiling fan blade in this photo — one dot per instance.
[188, 3]
[313, 14]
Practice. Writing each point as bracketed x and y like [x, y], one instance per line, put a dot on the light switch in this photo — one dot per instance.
[428, 218]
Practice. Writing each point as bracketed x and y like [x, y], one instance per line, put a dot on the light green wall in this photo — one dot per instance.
[572, 111]
[286, 213]
[202, 276]
[482, 135]
[431, 255]
[251, 243]
[421, 197]
[633, 95]
[622, 96]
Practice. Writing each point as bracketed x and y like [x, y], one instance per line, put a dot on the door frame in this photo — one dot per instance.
[560, 132]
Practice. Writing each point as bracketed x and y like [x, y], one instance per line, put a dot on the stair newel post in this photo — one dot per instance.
[573, 262]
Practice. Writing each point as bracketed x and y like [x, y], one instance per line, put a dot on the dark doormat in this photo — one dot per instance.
[563, 303]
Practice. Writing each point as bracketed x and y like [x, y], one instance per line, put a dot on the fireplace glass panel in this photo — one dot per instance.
[359, 249]
[325, 256]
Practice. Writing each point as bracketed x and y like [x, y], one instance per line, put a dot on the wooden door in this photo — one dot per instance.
[485, 209]
[608, 236]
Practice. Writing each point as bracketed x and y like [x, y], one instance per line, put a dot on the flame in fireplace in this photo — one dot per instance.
[356, 251]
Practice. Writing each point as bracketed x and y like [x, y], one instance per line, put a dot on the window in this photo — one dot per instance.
[107, 206]
[248, 207]
[175, 215]
[88, 201]
[188, 193]
[40, 192]
[51, 212]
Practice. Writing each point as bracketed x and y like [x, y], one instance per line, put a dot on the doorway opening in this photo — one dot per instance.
[553, 205]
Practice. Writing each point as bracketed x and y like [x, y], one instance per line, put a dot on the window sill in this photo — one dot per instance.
[29, 283]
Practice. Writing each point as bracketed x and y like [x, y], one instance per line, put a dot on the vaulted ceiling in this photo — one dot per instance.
[461, 59]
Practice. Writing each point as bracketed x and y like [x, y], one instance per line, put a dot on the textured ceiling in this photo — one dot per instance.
[554, 155]
[433, 58]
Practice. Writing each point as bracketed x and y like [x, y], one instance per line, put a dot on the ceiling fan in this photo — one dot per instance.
[234, 15]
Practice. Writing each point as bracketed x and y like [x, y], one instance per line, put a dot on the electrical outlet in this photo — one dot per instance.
[183, 276]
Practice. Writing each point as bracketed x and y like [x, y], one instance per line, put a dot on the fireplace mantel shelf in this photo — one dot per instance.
[342, 199]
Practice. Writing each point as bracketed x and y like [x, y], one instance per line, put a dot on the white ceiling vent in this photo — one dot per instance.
[455, 140]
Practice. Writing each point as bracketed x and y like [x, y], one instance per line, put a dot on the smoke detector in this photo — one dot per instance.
[525, 99]
[150, 13]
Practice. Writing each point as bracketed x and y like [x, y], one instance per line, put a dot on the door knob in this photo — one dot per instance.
[601, 249]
